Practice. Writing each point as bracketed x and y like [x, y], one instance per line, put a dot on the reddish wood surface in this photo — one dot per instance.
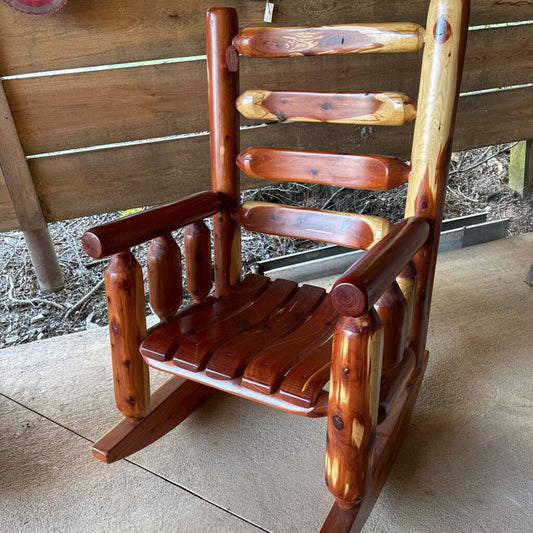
[362, 284]
[127, 328]
[229, 360]
[355, 231]
[389, 437]
[172, 403]
[195, 351]
[407, 281]
[198, 268]
[164, 276]
[305, 379]
[345, 170]
[374, 109]
[268, 367]
[345, 39]
[234, 386]
[394, 381]
[353, 407]
[124, 233]
[391, 307]
[163, 340]
[223, 87]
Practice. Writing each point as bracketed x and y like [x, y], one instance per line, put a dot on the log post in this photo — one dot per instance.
[223, 87]
[164, 276]
[198, 268]
[19, 182]
[127, 328]
[353, 406]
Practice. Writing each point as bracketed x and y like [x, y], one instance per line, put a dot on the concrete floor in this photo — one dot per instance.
[234, 466]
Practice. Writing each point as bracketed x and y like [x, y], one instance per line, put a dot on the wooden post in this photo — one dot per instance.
[198, 268]
[353, 406]
[223, 87]
[521, 168]
[408, 282]
[446, 29]
[127, 328]
[19, 182]
[164, 276]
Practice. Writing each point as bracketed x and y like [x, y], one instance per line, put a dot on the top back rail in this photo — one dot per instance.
[339, 39]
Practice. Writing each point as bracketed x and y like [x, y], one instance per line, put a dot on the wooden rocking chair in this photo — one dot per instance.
[274, 342]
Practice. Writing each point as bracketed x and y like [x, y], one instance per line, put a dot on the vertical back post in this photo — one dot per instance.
[223, 86]
[446, 30]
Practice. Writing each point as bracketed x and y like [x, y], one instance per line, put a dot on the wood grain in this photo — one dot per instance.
[129, 231]
[346, 170]
[353, 407]
[346, 229]
[164, 276]
[90, 33]
[223, 87]
[198, 268]
[340, 39]
[374, 109]
[127, 328]
[408, 281]
[149, 101]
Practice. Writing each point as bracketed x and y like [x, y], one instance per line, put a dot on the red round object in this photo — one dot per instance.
[36, 7]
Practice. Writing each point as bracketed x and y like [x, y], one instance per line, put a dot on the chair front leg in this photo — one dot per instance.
[127, 328]
[353, 406]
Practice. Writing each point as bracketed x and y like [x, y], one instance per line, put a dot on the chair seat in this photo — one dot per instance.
[269, 341]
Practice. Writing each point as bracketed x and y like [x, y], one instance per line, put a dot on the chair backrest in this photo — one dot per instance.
[444, 43]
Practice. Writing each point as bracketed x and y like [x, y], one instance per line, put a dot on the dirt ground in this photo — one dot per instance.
[477, 183]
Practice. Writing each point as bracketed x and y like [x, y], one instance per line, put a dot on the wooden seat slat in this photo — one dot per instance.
[164, 339]
[358, 171]
[195, 351]
[345, 229]
[267, 368]
[338, 39]
[372, 108]
[230, 359]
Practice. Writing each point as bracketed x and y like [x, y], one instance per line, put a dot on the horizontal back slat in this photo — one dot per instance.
[108, 180]
[345, 229]
[356, 171]
[374, 109]
[92, 32]
[340, 39]
[71, 111]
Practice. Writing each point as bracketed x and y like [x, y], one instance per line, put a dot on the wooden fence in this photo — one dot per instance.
[61, 146]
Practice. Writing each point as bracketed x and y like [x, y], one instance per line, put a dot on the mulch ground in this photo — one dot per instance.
[477, 183]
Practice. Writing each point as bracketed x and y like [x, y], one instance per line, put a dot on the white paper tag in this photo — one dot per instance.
[269, 11]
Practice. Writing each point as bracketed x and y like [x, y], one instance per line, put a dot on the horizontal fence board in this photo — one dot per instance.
[94, 108]
[92, 32]
[107, 180]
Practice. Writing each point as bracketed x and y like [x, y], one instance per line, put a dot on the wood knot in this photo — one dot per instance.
[338, 423]
[442, 30]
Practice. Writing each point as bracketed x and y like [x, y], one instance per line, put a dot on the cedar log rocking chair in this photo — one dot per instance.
[272, 341]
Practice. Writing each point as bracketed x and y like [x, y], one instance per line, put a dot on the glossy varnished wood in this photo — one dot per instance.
[440, 82]
[163, 340]
[345, 39]
[346, 170]
[346, 229]
[223, 87]
[198, 267]
[356, 291]
[371, 109]
[126, 232]
[164, 276]
[407, 281]
[266, 370]
[196, 350]
[229, 360]
[127, 328]
[172, 403]
[353, 407]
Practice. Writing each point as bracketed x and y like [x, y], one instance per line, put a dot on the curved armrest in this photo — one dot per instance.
[126, 232]
[358, 289]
